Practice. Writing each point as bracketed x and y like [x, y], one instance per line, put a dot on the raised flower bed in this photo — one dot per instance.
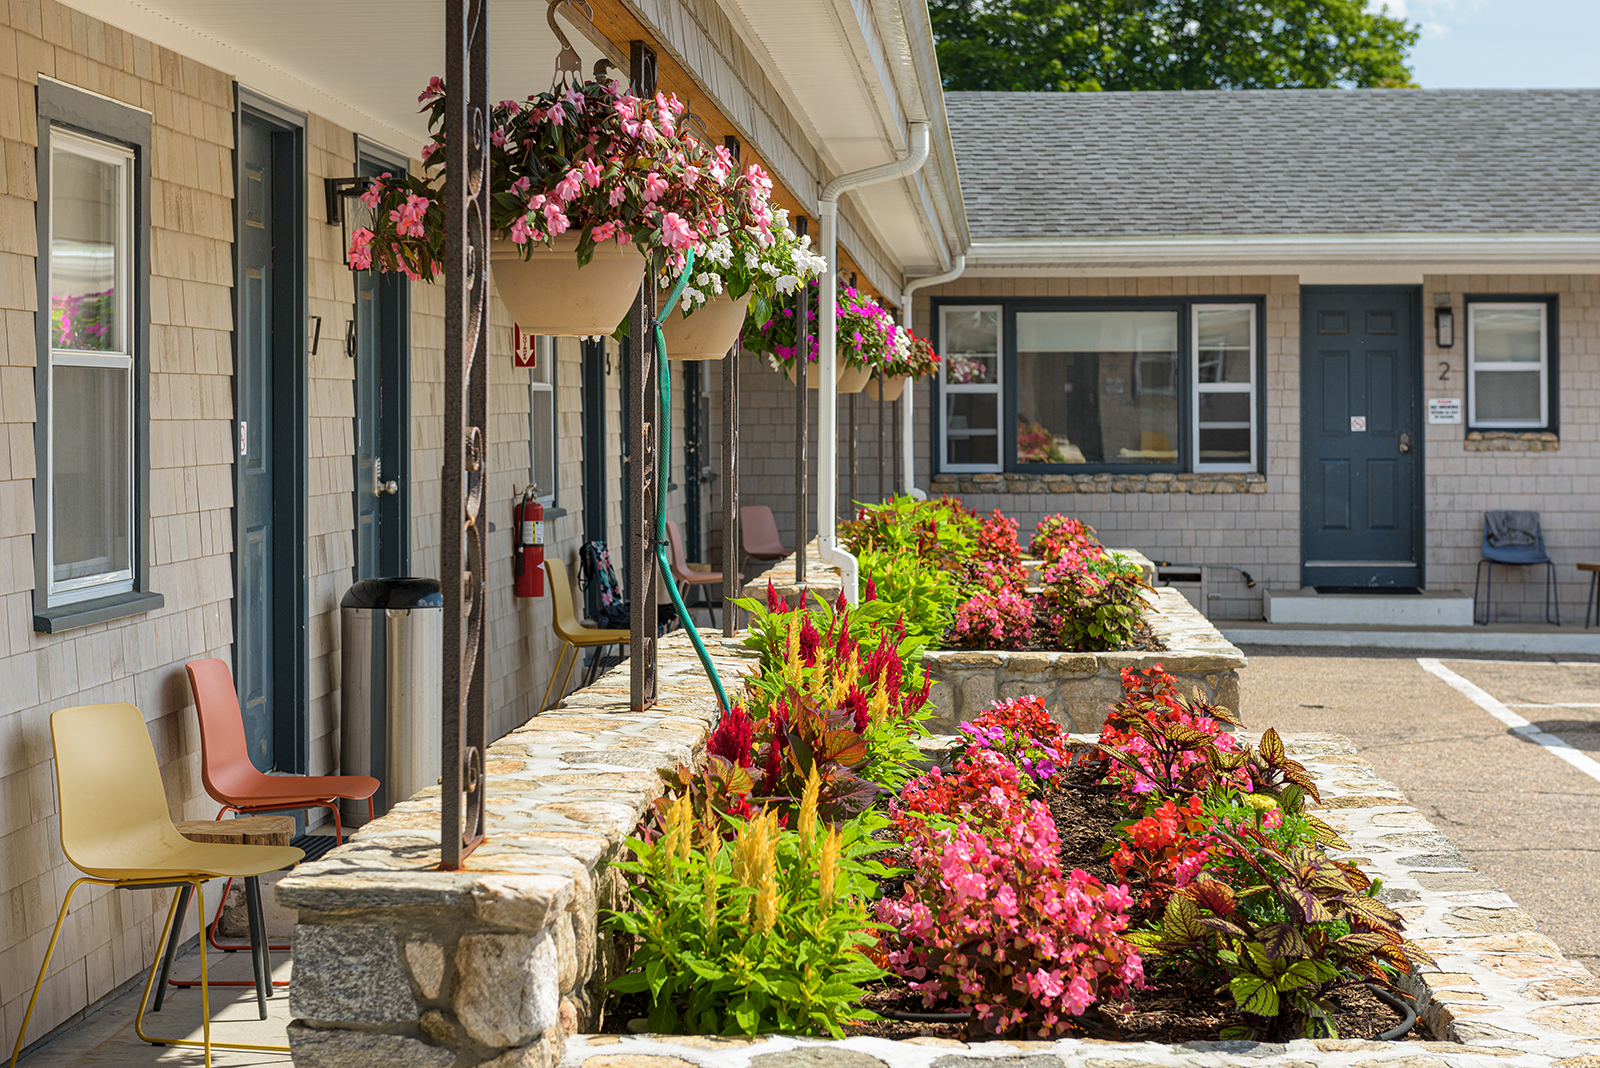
[397, 963]
[992, 623]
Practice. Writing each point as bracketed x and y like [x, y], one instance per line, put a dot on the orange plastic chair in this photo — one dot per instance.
[116, 830]
[236, 784]
[688, 579]
[573, 635]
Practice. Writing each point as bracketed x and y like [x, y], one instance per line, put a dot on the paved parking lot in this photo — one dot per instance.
[1500, 753]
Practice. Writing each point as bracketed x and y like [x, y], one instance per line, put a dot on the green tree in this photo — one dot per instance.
[1075, 45]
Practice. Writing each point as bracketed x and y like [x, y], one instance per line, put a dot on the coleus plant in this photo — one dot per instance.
[588, 160]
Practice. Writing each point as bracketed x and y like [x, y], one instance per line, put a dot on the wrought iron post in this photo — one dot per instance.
[643, 429]
[463, 566]
[732, 537]
[802, 368]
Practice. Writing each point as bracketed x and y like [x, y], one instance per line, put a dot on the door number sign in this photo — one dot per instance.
[1358, 424]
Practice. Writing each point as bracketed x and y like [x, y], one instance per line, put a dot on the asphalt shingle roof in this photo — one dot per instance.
[1278, 162]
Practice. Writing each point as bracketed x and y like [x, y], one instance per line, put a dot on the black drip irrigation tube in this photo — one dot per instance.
[1394, 1034]
[664, 380]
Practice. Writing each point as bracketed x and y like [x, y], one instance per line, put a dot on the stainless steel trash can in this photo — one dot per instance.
[392, 632]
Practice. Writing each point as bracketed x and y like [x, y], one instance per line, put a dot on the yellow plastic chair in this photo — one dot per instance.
[116, 830]
[573, 635]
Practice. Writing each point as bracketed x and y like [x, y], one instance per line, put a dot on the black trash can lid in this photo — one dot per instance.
[405, 592]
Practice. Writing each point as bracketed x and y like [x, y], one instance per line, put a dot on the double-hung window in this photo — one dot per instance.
[1509, 358]
[542, 421]
[89, 558]
[1224, 387]
[970, 384]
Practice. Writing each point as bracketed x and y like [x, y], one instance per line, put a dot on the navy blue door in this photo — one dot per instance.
[1360, 460]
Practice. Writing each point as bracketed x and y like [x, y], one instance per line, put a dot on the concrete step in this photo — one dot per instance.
[1430, 608]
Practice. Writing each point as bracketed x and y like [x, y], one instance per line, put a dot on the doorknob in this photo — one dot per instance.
[1405, 442]
[380, 487]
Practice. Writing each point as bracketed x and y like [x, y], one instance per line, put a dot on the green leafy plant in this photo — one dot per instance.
[1094, 603]
[768, 934]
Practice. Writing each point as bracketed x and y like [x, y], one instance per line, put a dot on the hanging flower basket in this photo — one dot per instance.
[847, 379]
[709, 332]
[548, 293]
[893, 386]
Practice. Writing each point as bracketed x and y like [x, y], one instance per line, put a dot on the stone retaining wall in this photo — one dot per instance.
[399, 965]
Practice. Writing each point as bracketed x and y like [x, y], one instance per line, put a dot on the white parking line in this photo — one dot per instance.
[1486, 701]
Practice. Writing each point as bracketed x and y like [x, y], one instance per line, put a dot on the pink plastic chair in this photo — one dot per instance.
[758, 534]
[687, 578]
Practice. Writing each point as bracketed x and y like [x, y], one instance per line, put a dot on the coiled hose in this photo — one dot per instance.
[664, 375]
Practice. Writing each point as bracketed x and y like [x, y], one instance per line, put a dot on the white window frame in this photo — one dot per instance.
[545, 358]
[106, 583]
[997, 388]
[1198, 387]
[1473, 366]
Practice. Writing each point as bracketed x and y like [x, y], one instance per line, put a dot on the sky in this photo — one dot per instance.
[1503, 44]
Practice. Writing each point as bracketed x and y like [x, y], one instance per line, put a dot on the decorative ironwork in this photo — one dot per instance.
[732, 540]
[569, 65]
[643, 409]
[802, 356]
[463, 566]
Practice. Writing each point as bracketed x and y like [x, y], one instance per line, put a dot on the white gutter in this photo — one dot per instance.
[908, 436]
[1224, 250]
[828, 356]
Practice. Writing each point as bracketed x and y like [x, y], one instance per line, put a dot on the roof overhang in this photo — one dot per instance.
[1279, 253]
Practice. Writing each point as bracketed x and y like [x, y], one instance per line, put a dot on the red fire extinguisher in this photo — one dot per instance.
[527, 552]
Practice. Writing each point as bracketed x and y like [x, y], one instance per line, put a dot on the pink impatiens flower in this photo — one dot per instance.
[674, 231]
[591, 174]
[654, 187]
[407, 218]
[571, 185]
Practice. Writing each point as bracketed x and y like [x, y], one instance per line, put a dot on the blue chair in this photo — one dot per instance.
[1517, 556]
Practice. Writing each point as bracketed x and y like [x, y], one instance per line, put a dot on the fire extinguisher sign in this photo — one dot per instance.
[524, 353]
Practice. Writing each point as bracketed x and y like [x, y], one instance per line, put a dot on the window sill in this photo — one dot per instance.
[1511, 441]
[1159, 482]
[100, 610]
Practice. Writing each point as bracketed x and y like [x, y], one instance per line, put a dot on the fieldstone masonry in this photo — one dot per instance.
[400, 965]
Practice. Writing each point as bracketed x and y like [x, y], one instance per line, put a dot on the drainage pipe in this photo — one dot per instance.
[828, 355]
[908, 429]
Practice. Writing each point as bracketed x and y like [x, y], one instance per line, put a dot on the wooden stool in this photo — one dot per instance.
[1594, 593]
[247, 830]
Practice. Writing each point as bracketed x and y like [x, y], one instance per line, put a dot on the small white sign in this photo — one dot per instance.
[1358, 424]
[1444, 410]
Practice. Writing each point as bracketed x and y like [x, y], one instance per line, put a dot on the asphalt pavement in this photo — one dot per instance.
[1522, 815]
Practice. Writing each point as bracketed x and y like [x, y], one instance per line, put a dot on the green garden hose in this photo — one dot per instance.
[664, 375]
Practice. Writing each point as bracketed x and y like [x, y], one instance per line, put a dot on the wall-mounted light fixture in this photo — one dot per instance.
[345, 209]
[1444, 321]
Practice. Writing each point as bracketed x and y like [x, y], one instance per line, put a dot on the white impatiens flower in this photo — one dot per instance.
[786, 283]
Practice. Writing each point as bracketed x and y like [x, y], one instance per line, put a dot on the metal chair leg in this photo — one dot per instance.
[258, 937]
[1592, 605]
[1477, 579]
[1552, 594]
[184, 893]
[544, 704]
[49, 950]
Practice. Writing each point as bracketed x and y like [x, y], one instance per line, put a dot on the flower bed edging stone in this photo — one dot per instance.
[399, 965]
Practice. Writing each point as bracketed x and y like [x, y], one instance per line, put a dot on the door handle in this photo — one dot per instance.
[379, 486]
[1405, 442]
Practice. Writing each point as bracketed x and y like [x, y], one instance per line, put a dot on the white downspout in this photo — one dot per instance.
[908, 430]
[828, 356]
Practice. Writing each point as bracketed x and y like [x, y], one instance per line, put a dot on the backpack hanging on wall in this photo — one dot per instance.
[594, 568]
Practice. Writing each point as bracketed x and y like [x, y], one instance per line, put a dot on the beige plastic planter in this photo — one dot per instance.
[846, 379]
[892, 387]
[709, 333]
[550, 294]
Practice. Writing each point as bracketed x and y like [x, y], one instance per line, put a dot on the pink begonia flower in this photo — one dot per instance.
[674, 231]
[570, 186]
[591, 174]
[619, 192]
[1079, 996]
[654, 187]
[1272, 819]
